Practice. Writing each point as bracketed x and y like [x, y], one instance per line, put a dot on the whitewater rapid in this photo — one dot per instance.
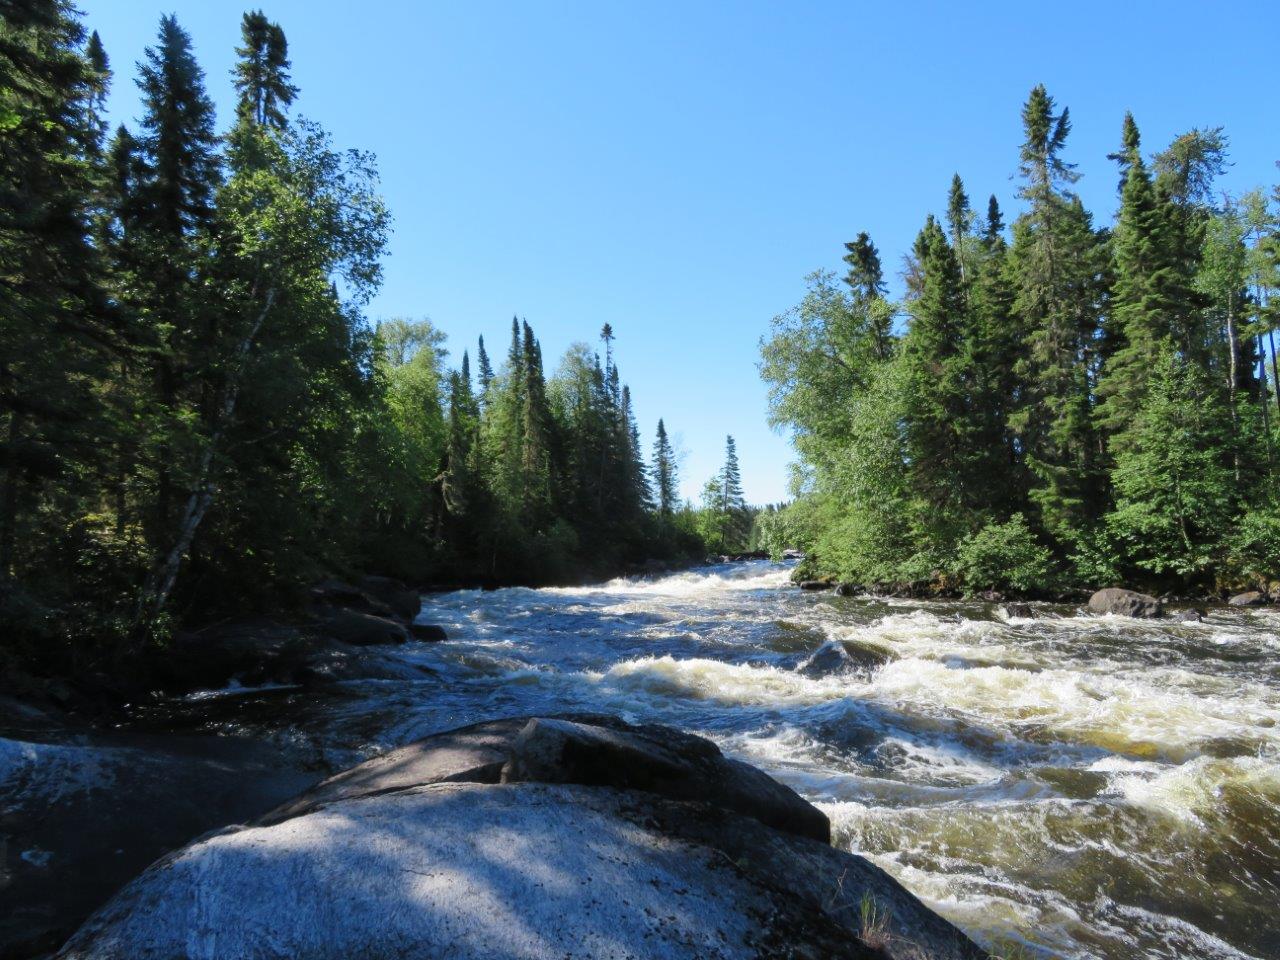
[1084, 786]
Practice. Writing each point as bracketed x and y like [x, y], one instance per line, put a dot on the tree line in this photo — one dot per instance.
[1056, 404]
[196, 418]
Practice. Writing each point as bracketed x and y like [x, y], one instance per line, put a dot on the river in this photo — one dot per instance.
[1085, 786]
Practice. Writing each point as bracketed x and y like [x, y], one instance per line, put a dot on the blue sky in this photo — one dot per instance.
[677, 168]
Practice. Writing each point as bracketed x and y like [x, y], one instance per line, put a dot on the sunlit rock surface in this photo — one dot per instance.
[402, 857]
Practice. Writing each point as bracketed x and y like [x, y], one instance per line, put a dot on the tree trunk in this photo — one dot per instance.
[164, 575]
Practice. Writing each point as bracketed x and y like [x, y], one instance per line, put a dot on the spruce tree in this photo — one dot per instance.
[262, 74]
[1056, 268]
[665, 476]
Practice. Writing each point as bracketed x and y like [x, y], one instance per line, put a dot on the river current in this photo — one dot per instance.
[1083, 786]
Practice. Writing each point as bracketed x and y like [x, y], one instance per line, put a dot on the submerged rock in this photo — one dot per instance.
[1188, 616]
[1018, 611]
[1125, 603]
[1250, 598]
[424, 854]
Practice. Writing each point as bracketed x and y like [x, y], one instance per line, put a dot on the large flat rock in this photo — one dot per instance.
[521, 870]
[82, 817]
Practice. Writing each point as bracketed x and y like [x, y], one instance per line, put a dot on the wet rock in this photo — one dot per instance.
[830, 658]
[337, 595]
[847, 589]
[83, 817]
[1125, 603]
[815, 585]
[427, 632]
[1018, 611]
[424, 856]
[1188, 616]
[403, 602]
[991, 596]
[658, 760]
[1250, 598]
[364, 629]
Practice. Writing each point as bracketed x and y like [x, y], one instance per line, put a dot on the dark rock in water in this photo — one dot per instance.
[427, 632]
[82, 817]
[1125, 603]
[847, 589]
[421, 854]
[337, 595]
[258, 651]
[1188, 616]
[364, 629]
[814, 585]
[1251, 598]
[1020, 611]
[404, 602]
[828, 659]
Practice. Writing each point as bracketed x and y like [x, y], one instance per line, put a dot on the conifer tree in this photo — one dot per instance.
[665, 477]
[484, 368]
[1056, 268]
[262, 74]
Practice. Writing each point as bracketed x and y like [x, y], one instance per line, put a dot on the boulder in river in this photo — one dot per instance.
[835, 657]
[1250, 598]
[847, 589]
[427, 632]
[364, 629]
[1018, 611]
[1190, 615]
[403, 601]
[1125, 603]
[815, 585]
[424, 854]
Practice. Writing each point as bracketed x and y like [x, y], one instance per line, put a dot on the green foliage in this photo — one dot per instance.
[1254, 547]
[1073, 406]
[1003, 556]
[195, 418]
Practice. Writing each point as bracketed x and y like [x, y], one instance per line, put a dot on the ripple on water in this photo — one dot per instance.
[1093, 786]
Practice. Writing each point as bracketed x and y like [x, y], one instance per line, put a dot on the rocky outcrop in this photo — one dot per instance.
[427, 632]
[1125, 603]
[1250, 598]
[81, 817]
[364, 629]
[576, 837]
[404, 602]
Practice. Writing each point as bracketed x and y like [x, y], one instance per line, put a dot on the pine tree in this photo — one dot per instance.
[262, 74]
[665, 475]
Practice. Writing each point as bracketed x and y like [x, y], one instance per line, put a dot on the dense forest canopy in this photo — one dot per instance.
[196, 419]
[1053, 404]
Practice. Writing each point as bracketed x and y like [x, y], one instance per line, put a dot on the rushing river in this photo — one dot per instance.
[1092, 786]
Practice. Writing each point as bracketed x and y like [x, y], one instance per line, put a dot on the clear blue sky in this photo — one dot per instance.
[676, 168]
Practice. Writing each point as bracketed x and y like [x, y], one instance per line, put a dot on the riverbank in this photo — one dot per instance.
[1094, 785]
